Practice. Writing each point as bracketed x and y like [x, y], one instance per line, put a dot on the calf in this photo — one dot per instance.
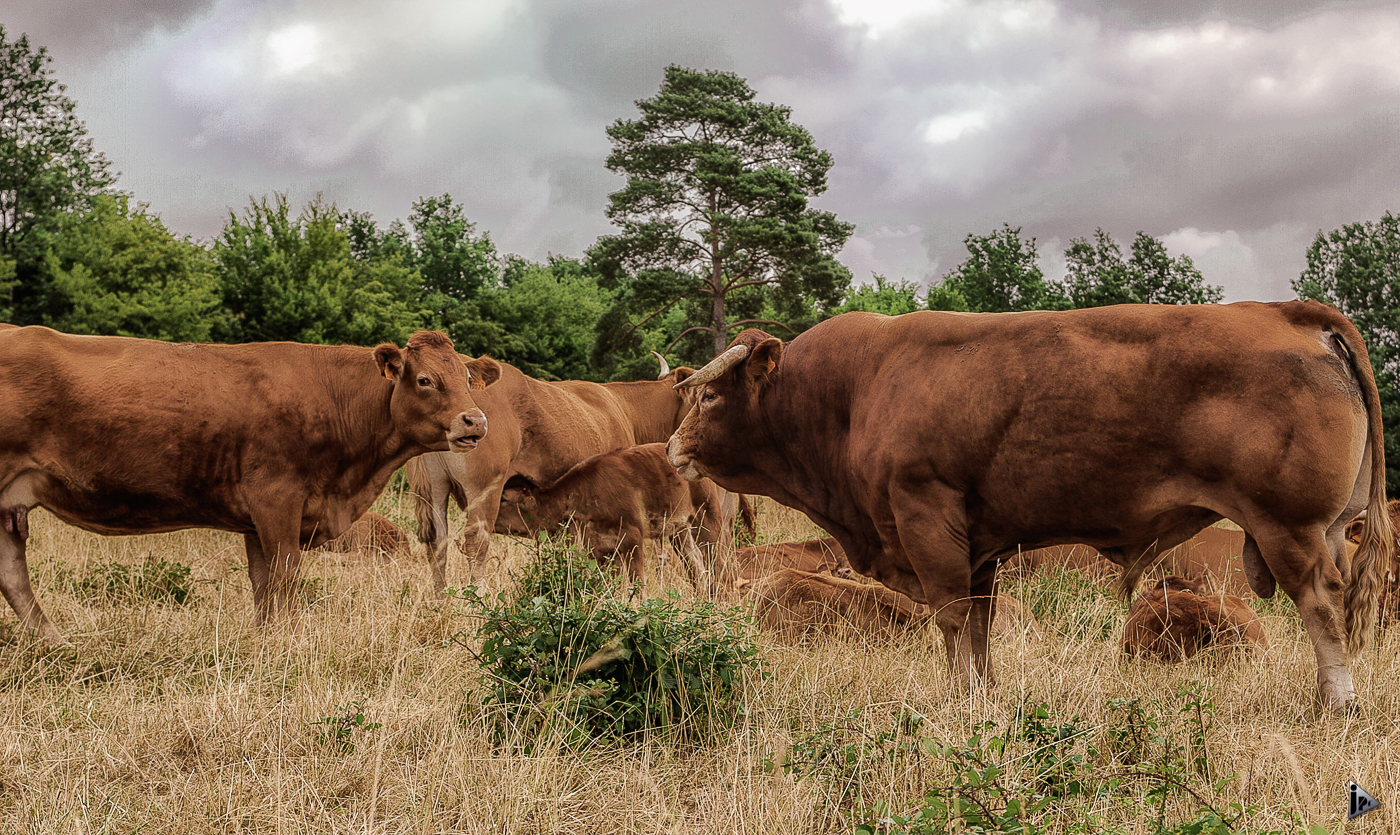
[793, 604]
[371, 536]
[616, 501]
[1181, 617]
[813, 555]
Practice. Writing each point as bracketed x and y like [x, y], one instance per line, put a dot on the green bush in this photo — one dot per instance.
[340, 729]
[563, 653]
[154, 581]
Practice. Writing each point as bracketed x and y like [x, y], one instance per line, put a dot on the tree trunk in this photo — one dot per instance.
[721, 332]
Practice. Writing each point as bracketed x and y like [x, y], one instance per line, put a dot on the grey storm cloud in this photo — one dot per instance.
[1235, 130]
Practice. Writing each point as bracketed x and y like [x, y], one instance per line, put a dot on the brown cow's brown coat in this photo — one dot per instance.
[813, 555]
[1181, 617]
[371, 536]
[793, 604]
[538, 431]
[933, 444]
[617, 501]
[286, 444]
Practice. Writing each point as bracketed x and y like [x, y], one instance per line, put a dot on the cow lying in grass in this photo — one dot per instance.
[617, 501]
[812, 555]
[793, 604]
[1181, 617]
[371, 536]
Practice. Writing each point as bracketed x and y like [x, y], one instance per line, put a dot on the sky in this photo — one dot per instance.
[1235, 130]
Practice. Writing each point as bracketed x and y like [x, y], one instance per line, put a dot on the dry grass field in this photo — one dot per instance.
[188, 718]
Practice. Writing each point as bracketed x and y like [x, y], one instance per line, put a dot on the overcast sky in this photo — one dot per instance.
[1234, 129]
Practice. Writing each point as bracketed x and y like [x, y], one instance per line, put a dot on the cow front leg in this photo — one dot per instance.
[14, 575]
[700, 576]
[274, 566]
[928, 538]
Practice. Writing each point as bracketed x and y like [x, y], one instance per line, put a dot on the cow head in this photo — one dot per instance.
[727, 391]
[431, 403]
[675, 377]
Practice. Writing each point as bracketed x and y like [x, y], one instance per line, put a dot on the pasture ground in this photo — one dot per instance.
[188, 718]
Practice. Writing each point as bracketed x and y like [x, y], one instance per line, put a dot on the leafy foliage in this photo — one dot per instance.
[47, 168]
[1098, 275]
[884, 296]
[1357, 268]
[154, 581]
[562, 653]
[1041, 772]
[716, 204]
[340, 729]
[285, 278]
[999, 275]
[546, 316]
[115, 269]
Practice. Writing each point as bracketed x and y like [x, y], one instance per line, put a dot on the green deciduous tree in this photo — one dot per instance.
[999, 275]
[884, 296]
[47, 168]
[115, 269]
[1098, 274]
[546, 315]
[298, 279]
[716, 204]
[1357, 268]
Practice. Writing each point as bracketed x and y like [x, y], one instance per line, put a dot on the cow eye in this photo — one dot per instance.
[423, 381]
[709, 397]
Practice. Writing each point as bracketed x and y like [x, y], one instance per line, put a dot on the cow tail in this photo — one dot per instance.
[421, 488]
[1373, 554]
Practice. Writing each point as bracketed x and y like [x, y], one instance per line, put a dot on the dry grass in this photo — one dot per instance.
[163, 718]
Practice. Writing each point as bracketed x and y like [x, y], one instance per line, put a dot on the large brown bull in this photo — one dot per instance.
[286, 444]
[538, 431]
[933, 444]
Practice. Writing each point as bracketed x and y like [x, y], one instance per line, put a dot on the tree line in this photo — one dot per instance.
[715, 232]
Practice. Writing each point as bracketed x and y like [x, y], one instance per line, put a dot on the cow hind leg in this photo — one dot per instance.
[1303, 564]
[14, 575]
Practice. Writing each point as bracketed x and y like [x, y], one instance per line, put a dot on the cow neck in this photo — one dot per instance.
[554, 503]
[363, 424]
[805, 407]
[650, 406]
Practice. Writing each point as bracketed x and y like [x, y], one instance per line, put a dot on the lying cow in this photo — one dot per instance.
[932, 445]
[618, 501]
[1181, 617]
[813, 555]
[371, 536]
[539, 430]
[794, 604]
[286, 444]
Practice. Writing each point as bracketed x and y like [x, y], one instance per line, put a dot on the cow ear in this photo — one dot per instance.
[680, 375]
[764, 358]
[482, 373]
[390, 361]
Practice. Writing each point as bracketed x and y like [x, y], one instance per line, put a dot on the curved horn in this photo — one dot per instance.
[665, 369]
[715, 367]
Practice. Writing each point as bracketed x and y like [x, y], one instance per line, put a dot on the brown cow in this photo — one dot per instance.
[617, 501]
[371, 536]
[1181, 617]
[813, 555]
[932, 444]
[538, 431]
[1214, 553]
[794, 603]
[286, 444]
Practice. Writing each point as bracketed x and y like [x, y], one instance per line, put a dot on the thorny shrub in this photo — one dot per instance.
[565, 652]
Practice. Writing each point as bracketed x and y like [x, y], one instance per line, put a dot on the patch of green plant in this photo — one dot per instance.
[1041, 772]
[340, 729]
[154, 581]
[563, 652]
[1072, 603]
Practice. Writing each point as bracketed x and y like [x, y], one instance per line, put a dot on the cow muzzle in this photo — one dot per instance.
[685, 466]
[467, 430]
